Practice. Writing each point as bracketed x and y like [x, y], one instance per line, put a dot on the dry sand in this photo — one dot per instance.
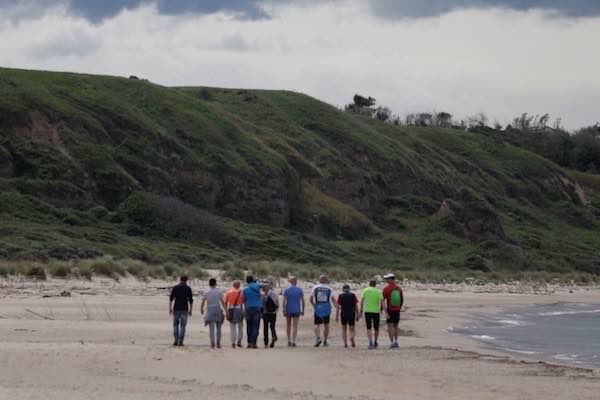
[112, 345]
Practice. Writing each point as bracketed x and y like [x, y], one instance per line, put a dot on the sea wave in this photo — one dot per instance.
[512, 322]
[526, 352]
[566, 357]
[558, 313]
[483, 337]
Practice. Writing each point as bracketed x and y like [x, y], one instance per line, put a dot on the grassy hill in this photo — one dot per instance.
[95, 165]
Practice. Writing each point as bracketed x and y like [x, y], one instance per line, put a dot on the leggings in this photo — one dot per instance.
[269, 325]
[214, 331]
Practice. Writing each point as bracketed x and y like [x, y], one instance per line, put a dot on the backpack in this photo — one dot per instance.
[270, 305]
[396, 299]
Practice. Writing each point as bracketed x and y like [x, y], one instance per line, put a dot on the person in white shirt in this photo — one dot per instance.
[322, 299]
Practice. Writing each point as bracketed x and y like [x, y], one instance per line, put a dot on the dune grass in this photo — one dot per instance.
[278, 271]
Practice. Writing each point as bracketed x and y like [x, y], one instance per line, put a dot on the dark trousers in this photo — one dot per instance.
[179, 323]
[269, 325]
[253, 323]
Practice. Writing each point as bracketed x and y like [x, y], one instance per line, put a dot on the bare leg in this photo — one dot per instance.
[345, 335]
[288, 328]
[295, 329]
[391, 332]
[326, 332]
[352, 334]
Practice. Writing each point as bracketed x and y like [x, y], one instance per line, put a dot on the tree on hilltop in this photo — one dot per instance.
[383, 113]
[361, 105]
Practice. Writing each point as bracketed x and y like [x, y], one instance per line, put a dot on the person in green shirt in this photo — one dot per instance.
[372, 304]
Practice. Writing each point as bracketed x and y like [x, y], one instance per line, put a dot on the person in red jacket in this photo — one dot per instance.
[393, 298]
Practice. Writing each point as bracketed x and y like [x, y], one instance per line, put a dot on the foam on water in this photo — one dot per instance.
[483, 337]
[511, 322]
[561, 332]
[559, 313]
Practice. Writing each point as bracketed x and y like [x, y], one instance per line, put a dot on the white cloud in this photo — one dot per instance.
[497, 61]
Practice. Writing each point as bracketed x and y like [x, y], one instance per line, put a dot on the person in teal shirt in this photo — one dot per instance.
[372, 304]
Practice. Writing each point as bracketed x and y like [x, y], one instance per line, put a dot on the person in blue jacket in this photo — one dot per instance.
[253, 306]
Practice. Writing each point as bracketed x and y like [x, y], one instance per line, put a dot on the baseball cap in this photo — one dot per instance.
[389, 276]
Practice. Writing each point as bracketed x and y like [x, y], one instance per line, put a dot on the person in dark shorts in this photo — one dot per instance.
[293, 308]
[371, 304]
[393, 302]
[322, 299]
[181, 296]
[347, 307]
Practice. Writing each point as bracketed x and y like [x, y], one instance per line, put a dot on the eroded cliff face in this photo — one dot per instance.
[75, 174]
[72, 175]
[6, 165]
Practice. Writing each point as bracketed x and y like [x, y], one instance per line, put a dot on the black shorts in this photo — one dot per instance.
[393, 317]
[372, 320]
[348, 320]
[321, 320]
[293, 315]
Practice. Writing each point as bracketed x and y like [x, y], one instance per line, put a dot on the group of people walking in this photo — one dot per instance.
[259, 301]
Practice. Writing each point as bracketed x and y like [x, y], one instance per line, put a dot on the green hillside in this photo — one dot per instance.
[94, 165]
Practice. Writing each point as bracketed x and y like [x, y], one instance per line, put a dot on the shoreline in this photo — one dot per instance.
[493, 330]
[460, 316]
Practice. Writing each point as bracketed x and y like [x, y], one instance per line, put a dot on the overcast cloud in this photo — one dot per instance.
[465, 56]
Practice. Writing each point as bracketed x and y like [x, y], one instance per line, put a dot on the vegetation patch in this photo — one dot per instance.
[329, 216]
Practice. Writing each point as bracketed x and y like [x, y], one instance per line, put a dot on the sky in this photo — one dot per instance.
[499, 57]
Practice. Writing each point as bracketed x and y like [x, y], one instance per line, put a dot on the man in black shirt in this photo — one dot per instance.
[181, 294]
[347, 302]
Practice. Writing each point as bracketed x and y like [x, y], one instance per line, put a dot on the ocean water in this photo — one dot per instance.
[565, 333]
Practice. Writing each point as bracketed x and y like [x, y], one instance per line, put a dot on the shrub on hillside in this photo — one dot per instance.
[99, 212]
[138, 208]
[169, 216]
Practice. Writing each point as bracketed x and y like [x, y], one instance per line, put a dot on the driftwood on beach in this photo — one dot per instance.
[38, 314]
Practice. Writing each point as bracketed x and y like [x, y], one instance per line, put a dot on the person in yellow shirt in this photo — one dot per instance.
[372, 304]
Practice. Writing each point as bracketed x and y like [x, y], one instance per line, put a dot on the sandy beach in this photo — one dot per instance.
[113, 341]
